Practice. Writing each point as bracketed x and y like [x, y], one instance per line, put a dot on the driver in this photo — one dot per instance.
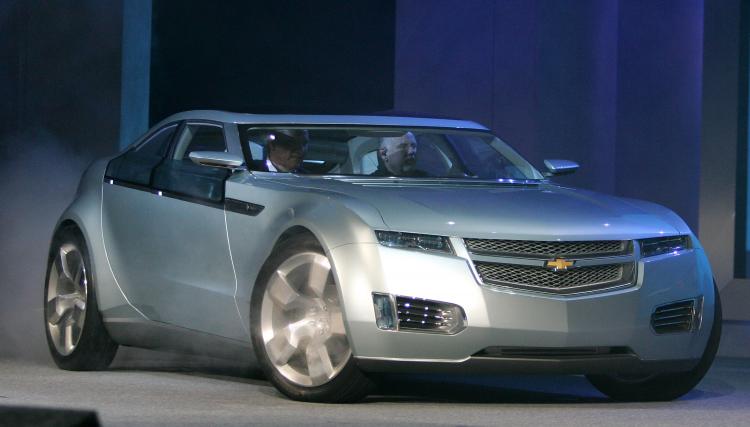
[286, 148]
[397, 156]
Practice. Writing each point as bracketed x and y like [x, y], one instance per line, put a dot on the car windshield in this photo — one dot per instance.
[384, 152]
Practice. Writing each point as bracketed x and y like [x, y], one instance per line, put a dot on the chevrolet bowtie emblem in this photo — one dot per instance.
[559, 264]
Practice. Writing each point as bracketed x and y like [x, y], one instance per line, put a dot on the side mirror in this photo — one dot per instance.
[218, 159]
[560, 167]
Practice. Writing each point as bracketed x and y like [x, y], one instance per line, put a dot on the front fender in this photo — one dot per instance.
[334, 219]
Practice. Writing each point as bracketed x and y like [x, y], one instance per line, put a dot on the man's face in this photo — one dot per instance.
[401, 156]
[288, 155]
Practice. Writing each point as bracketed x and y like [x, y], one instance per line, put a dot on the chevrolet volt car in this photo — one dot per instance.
[469, 261]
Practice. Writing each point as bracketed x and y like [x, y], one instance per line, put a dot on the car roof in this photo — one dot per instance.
[296, 119]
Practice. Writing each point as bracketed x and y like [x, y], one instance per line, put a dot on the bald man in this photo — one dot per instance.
[397, 156]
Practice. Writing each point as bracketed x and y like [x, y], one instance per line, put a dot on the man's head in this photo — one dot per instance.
[286, 148]
[399, 154]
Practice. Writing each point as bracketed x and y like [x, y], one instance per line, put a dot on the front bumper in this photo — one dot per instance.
[571, 366]
[514, 318]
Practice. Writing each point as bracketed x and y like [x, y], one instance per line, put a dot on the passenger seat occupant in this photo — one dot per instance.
[397, 156]
[286, 148]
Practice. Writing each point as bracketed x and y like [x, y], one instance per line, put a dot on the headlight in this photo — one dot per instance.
[426, 242]
[663, 245]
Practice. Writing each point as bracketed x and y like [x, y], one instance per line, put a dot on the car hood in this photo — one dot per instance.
[512, 211]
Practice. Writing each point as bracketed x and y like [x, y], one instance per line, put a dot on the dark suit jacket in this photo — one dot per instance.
[260, 165]
[383, 171]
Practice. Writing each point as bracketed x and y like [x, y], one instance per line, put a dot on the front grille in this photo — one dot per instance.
[551, 352]
[540, 249]
[542, 279]
[674, 317]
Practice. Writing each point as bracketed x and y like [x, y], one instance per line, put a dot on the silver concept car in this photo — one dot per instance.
[392, 244]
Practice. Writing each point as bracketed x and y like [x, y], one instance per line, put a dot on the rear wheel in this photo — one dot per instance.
[298, 327]
[667, 386]
[75, 332]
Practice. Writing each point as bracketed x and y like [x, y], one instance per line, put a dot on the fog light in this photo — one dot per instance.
[423, 315]
[679, 316]
[385, 314]
[400, 313]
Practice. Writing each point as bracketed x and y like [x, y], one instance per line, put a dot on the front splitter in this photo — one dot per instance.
[611, 364]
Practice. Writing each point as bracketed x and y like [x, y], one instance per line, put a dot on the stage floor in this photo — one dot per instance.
[147, 388]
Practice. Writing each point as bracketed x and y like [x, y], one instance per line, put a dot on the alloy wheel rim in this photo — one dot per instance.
[67, 292]
[302, 322]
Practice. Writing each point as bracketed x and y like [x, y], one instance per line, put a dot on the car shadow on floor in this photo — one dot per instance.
[135, 359]
[514, 389]
[495, 389]
[422, 388]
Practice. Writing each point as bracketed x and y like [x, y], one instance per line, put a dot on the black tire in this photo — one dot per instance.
[668, 386]
[95, 348]
[349, 385]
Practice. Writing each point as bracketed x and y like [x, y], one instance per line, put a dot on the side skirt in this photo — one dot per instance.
[161, 336]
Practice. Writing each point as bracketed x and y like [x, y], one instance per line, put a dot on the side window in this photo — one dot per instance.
[158, 144]
[363, 155]
[136, 164]
[256, 150]
[200, 137]
[179, 175]
[369, 163]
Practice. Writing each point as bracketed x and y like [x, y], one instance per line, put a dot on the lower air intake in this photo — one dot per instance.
[681, 316]
[552, 352]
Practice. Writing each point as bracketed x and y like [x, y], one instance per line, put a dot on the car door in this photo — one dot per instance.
[167, 240]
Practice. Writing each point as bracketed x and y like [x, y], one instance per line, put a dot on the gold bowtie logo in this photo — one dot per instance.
[560, 264]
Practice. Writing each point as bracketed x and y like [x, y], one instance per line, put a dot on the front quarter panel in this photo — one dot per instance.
[335, 220]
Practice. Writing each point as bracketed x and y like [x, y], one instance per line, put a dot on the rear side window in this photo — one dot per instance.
[136, 164]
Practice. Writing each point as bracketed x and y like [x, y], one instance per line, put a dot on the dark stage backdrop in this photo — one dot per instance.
[614, 85]
[59, 110]
[333, 56]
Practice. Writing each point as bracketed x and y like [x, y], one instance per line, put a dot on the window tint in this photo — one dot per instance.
[369, 163]
[200, 137]
[136, 164]
[158, 144]
[484, 162]
[434, 156]
[440, 152]
[180, 175]
[256, 151]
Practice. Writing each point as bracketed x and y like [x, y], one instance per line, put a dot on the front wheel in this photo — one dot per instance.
[75, 332]
[298, 327]
[661, 387]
